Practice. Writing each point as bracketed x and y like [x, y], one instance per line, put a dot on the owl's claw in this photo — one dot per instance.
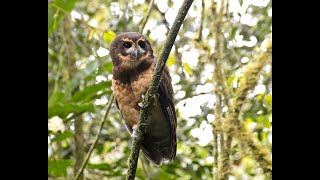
[140, 103]
[134, 130]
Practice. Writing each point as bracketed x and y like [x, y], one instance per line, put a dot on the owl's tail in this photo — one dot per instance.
[158, 150]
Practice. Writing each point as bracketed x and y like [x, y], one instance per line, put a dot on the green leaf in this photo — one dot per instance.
[90, 91]
[63, 136]
[268, 99]
[187, 68]
[108, 36]
[63, 110]
[233, 33]
[81, 75]
[55, 98]
[54, 16]
[108, 66]
[165, 175]
[67, 5]
[58, 168]
[170, 61]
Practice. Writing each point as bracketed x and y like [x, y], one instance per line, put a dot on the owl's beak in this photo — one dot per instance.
[135, 53]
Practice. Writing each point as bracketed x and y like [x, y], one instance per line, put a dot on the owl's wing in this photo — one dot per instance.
[167, 105]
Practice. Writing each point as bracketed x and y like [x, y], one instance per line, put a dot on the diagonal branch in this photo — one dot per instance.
[151, 93]
[103, 120]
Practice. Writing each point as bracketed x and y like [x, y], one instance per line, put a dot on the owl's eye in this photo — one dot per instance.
[142, 44]
[127, 45]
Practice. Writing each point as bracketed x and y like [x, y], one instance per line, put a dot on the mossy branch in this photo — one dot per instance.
[71, 70]
[235, 127]
[102, 121]
[219, 91]
[152, 91]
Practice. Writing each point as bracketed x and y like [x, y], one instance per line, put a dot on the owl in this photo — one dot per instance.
[133, 67]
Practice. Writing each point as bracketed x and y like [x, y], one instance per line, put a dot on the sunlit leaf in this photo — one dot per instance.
[108, 36]
[187, 68]
[268, 99]
[92, 31]
[170, 61]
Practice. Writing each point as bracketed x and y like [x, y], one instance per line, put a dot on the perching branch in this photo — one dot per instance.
[151, 93]
[145, 19]
[103, 120]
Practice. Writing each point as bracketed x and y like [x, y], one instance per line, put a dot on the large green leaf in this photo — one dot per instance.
[64, 109]
[55, 98]
[58, 168]
[90, 91]
[55, 11]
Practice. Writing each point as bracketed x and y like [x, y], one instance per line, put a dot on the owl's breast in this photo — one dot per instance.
[126, 102]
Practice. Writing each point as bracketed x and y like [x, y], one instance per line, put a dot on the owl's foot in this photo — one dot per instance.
[134, 130]
[140, 103]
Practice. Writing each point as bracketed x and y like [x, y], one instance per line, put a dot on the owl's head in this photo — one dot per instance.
[128, 50]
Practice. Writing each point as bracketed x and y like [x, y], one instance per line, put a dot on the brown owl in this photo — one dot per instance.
[133, 66]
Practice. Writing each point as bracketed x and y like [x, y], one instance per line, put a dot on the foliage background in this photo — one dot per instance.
[80, 73]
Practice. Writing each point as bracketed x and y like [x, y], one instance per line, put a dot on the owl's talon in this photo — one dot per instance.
[134, 130]
[133, 135]
[140, 104]
[142, 96]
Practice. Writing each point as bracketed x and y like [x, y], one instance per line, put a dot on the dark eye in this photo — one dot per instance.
[142, 44]
[127, 45]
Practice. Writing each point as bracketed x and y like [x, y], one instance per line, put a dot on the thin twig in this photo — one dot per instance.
[103, 120]
[201, 19]
[151, 93]
[192, 95]
[147, 16]
[215, 154]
